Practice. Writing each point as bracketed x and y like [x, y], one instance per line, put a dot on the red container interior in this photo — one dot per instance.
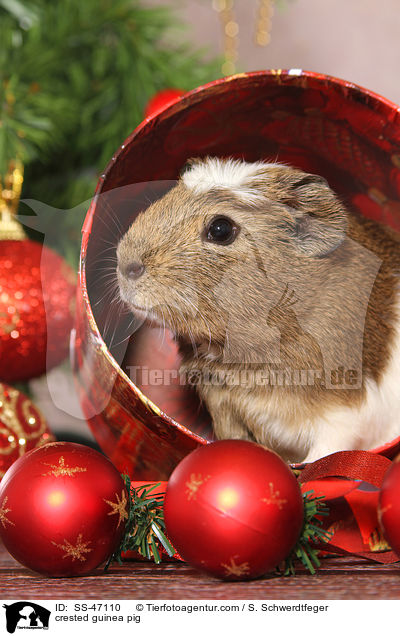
[319, 124]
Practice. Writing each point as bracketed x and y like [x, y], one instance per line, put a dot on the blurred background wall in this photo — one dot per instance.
[357, 40]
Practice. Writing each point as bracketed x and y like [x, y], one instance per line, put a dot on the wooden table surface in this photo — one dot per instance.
[338, 578]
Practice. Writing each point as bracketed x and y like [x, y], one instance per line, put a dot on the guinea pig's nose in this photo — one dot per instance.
[134, 270]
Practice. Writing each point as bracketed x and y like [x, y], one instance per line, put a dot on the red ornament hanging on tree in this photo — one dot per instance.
[22, 427]
[37, 293]
[233, 509]
[389, 506]
[63, 509]
[162, 99]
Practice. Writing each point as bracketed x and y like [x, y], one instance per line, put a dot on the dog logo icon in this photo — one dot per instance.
[26, 615]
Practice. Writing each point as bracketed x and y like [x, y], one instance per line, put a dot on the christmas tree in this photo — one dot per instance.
[75, 77]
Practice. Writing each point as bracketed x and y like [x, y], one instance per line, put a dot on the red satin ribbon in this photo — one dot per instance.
[362, 466]
[357, 465]
[385, 558]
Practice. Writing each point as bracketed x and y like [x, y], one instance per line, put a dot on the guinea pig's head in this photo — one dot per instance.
[224, 242]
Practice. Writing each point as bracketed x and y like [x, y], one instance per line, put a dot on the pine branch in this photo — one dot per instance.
[144, 532]
[312, 534]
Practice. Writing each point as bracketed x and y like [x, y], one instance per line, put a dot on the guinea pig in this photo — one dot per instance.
[284, 303]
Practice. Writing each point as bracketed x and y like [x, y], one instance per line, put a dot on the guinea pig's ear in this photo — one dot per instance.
[318, 219]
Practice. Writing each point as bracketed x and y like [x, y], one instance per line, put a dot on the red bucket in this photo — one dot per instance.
[320, 124]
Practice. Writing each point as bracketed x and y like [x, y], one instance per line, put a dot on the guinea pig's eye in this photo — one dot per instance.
[221, 230]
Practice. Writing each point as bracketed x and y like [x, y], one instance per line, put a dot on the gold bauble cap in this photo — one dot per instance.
[10, 193]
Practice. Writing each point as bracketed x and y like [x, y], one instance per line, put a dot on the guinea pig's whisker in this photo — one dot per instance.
[171, 319]
[186, 300]
[191, 337]
[112, 344]
[197, 310]
[107, 324]
[110, 314]
[209, 333]
[108, 264]
[110, 273]
[116, 298]
[112, 245]
[116, 325]
[114, 303]
[164, 328]
[110, 294]
[107, 259]
[112, 214]
[114, 230]
[127, 328]
[111, 267]
[109, 282]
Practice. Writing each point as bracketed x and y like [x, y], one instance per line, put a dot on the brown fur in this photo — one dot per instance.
[338, 270]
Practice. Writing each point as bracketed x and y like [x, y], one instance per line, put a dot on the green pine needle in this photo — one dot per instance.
[74, 80]
[145, 529]
[144, 532]
[312, 534]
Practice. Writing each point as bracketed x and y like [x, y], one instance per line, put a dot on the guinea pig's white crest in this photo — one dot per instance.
[232, 174]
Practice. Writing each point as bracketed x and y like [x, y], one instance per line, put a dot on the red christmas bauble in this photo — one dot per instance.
[233, 509]
[162, 99]
[22, 427]
[63, 509]
[37, 294]
[389, 506]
